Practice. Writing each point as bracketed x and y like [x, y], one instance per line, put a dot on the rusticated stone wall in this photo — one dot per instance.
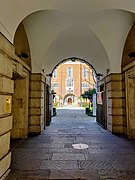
[6, 91]
[115, 103]
[10, 64]
[20, 108]
[37, 103]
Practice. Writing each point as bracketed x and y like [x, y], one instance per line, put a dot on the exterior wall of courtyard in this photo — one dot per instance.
[70, 80]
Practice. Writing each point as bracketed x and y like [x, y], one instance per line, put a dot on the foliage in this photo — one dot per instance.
[60, 97]
[80, 98]
[88, 94]
[55, 104]
[85, 105]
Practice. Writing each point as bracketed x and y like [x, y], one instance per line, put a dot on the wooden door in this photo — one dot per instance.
[69, 101]
[130, 104]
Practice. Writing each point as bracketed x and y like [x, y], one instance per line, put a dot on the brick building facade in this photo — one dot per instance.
[70, 80]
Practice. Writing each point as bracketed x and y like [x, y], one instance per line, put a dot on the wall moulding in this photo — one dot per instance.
[8, 50]
[113, 77]
[20, 70]
[15, 58]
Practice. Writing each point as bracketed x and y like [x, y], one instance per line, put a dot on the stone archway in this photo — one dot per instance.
[70, 99]
[20, 103]
[21, 44]
[75, 59]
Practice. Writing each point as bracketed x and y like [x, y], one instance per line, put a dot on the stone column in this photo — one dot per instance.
[6, 91]
[37, 103]
[115, 103]
[20, 108]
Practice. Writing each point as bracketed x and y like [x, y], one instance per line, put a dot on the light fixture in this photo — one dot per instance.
[99, 74]
[107, 71]
[131, 54]
[49, 74]
[73, 59]
[23, 55]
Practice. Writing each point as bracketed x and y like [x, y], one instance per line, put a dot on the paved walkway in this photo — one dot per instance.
[52, 156]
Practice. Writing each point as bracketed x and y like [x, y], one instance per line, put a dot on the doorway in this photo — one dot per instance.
[130, 104]
[69, 101]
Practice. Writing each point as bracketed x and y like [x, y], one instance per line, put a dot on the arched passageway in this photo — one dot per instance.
[35, 36]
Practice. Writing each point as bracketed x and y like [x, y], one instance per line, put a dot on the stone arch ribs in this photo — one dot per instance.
[76, 41]
[17, 11]
[111, 51]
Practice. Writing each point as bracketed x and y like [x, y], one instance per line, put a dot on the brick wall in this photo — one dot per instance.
[61, 77]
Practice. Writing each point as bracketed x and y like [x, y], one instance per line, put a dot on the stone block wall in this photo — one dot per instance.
[37, 103]
[115, 103]
[20, 108]
[6, 91]
[10, 118]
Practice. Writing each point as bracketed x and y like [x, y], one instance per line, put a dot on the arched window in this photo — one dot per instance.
[84, 73]
[69, 72]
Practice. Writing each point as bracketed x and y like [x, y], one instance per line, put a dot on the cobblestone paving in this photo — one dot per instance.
[51, 155]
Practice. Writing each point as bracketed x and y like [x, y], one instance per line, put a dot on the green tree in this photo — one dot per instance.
[88, 95]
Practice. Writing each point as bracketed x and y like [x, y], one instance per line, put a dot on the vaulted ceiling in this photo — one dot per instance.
[93, 30]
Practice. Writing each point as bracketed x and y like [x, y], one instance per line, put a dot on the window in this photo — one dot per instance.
[55, 85]
[70, 72]
[84, 73]
[85, 85]
[54, 73]
[69, 83]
